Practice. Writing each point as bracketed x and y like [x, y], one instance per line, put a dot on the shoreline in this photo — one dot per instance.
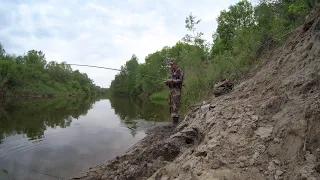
[141, 151]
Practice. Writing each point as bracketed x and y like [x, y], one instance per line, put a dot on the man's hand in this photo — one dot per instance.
[169, 81]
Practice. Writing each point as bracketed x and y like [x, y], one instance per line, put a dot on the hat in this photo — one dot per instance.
[172, 62]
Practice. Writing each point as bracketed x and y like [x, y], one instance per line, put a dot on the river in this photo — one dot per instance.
[61, 137]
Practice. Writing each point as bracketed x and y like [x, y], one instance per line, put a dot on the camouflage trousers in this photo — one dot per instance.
[174, 101]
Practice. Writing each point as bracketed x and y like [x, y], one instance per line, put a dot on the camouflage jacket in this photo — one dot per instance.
[178, 76]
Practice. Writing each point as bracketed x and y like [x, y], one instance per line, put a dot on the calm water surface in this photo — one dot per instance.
[63, 137]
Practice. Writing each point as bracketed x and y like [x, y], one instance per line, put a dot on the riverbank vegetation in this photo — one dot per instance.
[31, 75]
[244, 33]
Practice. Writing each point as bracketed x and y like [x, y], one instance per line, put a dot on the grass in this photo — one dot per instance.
[160, 102]
[159, 96]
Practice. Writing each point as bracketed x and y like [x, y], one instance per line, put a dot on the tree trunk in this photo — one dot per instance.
[2, 86]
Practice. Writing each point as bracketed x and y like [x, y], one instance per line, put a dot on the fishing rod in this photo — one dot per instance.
[101, 67]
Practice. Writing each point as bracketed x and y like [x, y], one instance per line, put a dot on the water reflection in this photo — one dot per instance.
[64, 136]
[33, 117]
[130, 109]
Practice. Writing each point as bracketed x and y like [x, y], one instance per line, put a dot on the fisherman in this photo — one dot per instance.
[175, 85]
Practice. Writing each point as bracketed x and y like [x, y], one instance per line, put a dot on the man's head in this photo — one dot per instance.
[173, 64]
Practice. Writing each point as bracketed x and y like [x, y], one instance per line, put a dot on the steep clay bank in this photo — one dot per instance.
[268, 127]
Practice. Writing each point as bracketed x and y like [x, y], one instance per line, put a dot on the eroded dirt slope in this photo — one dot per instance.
[268, 127]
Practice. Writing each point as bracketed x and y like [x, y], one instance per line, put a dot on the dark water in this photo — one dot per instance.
[62, 137]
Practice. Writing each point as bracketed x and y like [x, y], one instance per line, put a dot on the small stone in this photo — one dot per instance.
[253, 126]
[205, 108]
[242, 158]
[266, 172]
[211, 147]
[131, 170]
[237, 122]
[160, 158]
[186, 167]
[233, 129]
[318, 150]
[279, 172]
[234, 117]
[255, 155]
[303, 171]
[199, 173]
[310, 157]
[255, 117]
[212, 106]
[277, 140]
[261, 148]
[264, 132]
[229, 124]
[271, 167]
[252, 161]
[241, 164]
[210, 155]
[276, 161]
[249, 113]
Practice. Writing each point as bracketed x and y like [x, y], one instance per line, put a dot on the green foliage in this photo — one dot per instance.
[238, 17]
[32, 74]
[194, 38]
[162, 95]
[5, 171]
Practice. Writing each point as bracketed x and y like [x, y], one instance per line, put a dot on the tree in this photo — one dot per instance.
[2, 51]
[238, 16]
[31, 73]
[195, 38]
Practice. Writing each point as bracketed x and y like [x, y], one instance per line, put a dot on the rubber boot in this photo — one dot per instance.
[175, 120]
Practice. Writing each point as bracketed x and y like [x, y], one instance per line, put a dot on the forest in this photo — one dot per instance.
[244, 34]
[31, 75]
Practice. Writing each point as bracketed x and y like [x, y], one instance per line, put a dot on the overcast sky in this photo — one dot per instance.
[101, 32]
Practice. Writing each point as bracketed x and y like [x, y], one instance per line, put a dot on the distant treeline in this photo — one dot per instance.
[32, 75]
[244, 33]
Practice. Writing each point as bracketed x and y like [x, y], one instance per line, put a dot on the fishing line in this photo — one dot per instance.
[101, 67]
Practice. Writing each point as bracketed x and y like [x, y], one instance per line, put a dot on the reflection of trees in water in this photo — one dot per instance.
[32, 117]
[129, 109]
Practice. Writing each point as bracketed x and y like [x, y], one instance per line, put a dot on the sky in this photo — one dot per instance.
[101, 32]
